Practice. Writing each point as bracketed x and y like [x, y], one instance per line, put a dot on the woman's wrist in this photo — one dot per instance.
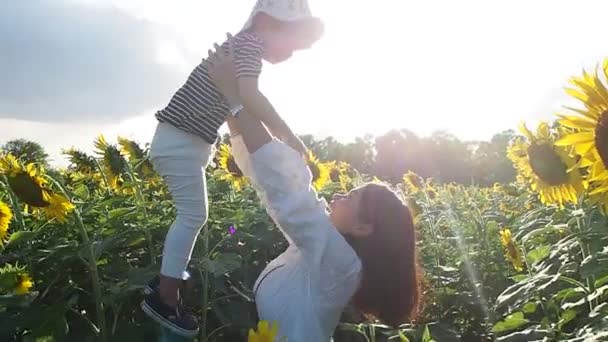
[233, 101]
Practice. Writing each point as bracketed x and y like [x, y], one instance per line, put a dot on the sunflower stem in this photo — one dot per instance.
[18, 216]
[204, 274]
[142, 206]
[103, 176]
[92, 265]
[539, 295]
[584, 246]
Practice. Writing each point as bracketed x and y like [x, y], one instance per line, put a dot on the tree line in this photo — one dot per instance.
[441, 156]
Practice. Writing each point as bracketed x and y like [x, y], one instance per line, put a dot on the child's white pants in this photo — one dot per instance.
[180, 158]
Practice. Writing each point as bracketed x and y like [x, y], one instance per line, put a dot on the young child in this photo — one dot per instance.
[187, 131]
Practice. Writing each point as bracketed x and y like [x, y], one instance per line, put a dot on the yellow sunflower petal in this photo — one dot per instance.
[59, 207]
[583, 148]
[6, 215]
[24, 283]
[274, 330]
[525, 131]
[576, 122]
[543, 130]
[577, 94]
[575, 138]
[253, 337]
[263, 327]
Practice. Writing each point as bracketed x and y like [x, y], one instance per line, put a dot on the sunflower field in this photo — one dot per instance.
[519, 261]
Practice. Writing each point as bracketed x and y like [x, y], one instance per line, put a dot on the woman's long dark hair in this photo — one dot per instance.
[390, 286]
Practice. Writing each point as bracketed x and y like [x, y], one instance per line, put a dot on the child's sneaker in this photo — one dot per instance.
[152, 286]
[175, 319]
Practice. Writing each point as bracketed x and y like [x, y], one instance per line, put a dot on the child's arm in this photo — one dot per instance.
[258, 105]
[247, 51]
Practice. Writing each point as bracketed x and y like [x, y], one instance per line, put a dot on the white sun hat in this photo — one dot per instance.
[284, 10]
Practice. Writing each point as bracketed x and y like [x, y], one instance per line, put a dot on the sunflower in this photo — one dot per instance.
[430, 191]
[230, 170]
[136, 154]
[265, 332]
[588, 127]
[80, 161]
[340, 172]
[320, 171]
[337, 169]
[513, 253]
[452, 189]
[6, 215]
[59, 207]
[27, 182]
[346, 182]
[23, 284]
[10, 166]
[30, 186]
[549, 169]
[413, 206]
[413, 182]
[114, 164]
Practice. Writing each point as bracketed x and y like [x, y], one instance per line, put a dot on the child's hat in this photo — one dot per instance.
[283, 10]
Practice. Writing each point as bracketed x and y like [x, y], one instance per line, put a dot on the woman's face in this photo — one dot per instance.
[345, 213]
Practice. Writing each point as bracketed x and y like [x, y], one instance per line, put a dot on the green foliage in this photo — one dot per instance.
[89, 271]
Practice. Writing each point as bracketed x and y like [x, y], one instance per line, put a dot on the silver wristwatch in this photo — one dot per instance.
[234, 111]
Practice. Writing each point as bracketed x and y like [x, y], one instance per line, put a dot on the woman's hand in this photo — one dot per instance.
[220, 65]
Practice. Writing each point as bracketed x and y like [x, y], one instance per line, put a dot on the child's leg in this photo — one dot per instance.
[189, 193]
[180, 158]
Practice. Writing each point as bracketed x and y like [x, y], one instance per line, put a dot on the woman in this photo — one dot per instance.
[359, 249]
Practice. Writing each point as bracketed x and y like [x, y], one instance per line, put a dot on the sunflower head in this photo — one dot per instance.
[346, 182]
[413, 182]
[136, 155]
[80, 161]
[586, 129]
[334, 172]
[512, 251]
[548, 168]
[230, 170]
[130, 148]
[320, 171]
[27, 182]
[10, 165]
[6, 215]
[114, 163]
[23, 284]
[227, 162]
[337, 169]
[59, 207]
[265, 332]
[413, 206]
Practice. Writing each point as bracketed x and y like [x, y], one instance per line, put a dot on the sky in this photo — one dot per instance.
[72, 69]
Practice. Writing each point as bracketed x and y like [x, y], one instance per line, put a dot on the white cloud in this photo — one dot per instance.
[472, 67]
[68, 62]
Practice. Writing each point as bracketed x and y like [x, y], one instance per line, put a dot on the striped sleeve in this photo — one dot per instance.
[248, 50]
